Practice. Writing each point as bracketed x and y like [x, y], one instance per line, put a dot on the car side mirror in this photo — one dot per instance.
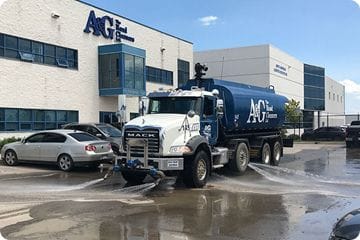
[23, 140]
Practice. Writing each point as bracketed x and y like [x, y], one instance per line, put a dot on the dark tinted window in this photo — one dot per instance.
[183, 72]
[32, 51]
[83, 137]
[24, 45]
[314, 87]
[60, 52]
[159, 75]
[110, 130]
[13, 119]
[54, 138]
[77, 127]
[36, 138]
[208, 106]
[109, 71]
[353, 123]
[314, 69]
[314, 92]
[93, 131]
[1, 40]
[11, 42]
[70, 127]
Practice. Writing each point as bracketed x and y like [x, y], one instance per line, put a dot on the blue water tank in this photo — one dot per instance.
[246, 107]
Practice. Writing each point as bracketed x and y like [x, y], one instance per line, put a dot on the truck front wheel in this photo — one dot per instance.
[239, 163]
[196, 170]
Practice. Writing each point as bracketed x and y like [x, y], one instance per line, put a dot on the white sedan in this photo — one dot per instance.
[66, 148]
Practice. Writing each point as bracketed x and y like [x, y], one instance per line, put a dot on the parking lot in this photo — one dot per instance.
[314, 185]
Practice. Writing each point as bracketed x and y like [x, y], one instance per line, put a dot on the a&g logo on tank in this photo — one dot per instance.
[261, 112]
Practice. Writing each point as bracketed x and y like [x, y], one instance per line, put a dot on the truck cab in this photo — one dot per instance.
[176, 124]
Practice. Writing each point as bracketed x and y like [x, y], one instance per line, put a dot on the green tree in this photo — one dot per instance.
[293, 113]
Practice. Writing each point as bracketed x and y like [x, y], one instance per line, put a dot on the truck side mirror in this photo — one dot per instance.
[191, 113]
[220, 108]
[143, 105]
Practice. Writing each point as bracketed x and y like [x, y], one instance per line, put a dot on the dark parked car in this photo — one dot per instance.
[348, 227]
[325, 133]
[103, 131]
[353, 134]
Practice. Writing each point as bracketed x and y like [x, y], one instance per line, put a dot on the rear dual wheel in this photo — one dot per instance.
[239, 163]
[276, 153]
[266, 154]
[271, 155]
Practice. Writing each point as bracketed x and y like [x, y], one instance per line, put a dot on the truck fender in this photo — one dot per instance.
[197, 142]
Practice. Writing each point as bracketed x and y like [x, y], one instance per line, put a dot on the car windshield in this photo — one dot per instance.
[110, 130]
[83, 137]
[179, 105]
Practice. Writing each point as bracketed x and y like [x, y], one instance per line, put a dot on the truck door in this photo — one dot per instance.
[208, 122]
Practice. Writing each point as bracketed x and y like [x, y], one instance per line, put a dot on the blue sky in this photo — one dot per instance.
[320, 32]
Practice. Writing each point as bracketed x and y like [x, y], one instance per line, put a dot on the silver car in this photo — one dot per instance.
[66, 148]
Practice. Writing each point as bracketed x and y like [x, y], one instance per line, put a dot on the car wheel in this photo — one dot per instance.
[276, 154]
[241, 160]
[195, 172]
[265, 154]
[11, 158]
[65, 162]
[134, 177]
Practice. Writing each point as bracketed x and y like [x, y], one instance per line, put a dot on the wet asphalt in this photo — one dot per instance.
[314, 185]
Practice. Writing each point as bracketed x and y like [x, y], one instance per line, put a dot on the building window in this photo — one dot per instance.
[38, 52]
[108, 117]
[14, 119]
[337, 97]
[11, 47]
[121, 70]
[33, 51]
[183, 72]
[109, 71]
[314, 87]
[329, 96]
[1, 45]
[134, 72]
[158, 75]
[334, 96]
[341, 99]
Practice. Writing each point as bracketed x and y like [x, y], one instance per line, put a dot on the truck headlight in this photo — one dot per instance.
[180, 149]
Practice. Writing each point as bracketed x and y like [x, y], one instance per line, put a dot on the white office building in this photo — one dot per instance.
[266, 65]
[68, 61]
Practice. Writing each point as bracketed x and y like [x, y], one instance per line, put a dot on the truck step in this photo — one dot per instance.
[218, 166]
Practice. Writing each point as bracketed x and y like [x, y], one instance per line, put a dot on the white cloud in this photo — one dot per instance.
[357, 2]
[351, 87]
[209, 20]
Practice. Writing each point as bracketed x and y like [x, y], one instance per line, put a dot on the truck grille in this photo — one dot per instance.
[151, 134]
